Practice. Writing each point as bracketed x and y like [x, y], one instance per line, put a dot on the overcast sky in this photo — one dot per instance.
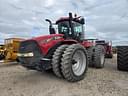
[105, 19]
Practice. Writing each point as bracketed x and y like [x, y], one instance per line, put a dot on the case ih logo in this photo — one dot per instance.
[50, 39]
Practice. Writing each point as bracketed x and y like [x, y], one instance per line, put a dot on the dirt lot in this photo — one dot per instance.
[17, 81]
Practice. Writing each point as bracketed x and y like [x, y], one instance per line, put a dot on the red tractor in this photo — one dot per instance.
[108, 47]
[67, 53]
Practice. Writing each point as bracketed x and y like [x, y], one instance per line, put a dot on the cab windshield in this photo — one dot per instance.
[64, 28]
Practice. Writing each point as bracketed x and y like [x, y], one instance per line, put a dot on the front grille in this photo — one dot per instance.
[27, 47]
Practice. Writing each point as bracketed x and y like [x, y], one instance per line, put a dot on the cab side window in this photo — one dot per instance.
[78, 28]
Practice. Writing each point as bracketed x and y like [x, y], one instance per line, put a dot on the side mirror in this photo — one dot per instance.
[82, 21]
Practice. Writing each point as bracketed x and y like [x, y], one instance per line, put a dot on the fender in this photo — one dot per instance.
[53, 48]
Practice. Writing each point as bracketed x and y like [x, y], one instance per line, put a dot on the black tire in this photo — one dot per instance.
[99, 56]
[90, 56]
[2, 57]
[56, 60]
[122, 58]
[17, 60]
[68, 62]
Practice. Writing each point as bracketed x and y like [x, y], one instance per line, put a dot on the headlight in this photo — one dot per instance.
[25, 54]
[30, 54]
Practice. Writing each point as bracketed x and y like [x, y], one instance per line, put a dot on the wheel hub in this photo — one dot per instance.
[79, 65]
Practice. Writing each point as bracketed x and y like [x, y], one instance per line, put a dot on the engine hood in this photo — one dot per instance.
[44, 42]
[45, 37]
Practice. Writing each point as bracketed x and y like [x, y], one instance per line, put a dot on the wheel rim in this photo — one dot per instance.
[102, 59]
[80, 63]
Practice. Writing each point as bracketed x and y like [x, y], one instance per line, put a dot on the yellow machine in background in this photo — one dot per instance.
[11, 46]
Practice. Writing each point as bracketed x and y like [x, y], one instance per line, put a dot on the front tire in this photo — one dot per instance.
[56, 60]
[74, 63]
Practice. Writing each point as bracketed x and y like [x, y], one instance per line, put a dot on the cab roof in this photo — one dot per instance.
[67, 19]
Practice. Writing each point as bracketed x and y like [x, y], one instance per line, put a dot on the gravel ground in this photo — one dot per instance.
[17, 81]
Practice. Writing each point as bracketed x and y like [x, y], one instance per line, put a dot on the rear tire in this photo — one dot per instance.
[99, 56]
[74, 63]
[122, 58]
[90, 56]
[56, 60]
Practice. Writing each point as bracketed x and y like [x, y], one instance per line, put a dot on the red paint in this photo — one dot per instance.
[108, 49]
[48, 41]
[87, 44]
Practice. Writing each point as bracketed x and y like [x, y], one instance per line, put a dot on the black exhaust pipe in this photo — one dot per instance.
[51, 29]
[70, 24]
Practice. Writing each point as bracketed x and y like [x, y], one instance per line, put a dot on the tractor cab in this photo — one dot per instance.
[71, 27]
